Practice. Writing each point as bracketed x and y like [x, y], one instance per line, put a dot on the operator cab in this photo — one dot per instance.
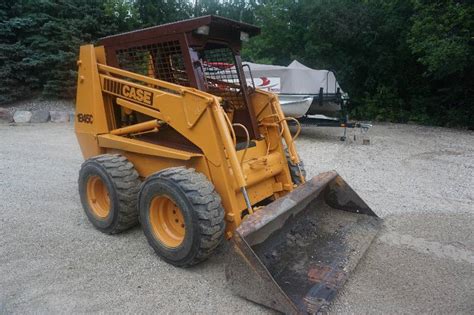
[203, 53]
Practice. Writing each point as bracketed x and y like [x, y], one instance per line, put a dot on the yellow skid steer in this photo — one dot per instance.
[176, 137]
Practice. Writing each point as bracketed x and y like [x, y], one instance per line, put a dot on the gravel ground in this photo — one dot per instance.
[418, 179]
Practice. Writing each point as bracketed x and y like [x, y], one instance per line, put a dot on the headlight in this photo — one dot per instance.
[244, 36]
[203, 30]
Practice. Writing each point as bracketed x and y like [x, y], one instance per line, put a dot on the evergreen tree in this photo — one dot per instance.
[17, 79]
[40, 41]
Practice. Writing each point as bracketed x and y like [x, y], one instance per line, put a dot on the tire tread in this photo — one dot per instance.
[207, 205]
[127, 184]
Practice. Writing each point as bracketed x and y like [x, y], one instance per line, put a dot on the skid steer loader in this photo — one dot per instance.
[175, 138]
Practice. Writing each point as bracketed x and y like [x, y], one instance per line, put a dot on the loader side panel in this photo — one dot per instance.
[90, 118]
[146, 165]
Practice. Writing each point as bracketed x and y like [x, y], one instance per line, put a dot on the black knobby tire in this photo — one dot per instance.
[201, 209]
[295, 171]
[122, 183]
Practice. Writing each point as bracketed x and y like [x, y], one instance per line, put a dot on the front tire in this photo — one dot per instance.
[181, 215]
[108, 187]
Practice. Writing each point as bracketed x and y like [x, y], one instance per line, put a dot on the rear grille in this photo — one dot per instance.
[112, 86]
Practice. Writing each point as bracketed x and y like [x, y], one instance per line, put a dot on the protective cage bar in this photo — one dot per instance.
[163, 61]
[221, 75]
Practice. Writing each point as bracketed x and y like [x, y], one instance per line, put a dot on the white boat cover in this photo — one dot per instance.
[294, 79]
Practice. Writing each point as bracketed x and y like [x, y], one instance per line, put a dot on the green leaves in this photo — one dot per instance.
[442, 36]
[398, 60]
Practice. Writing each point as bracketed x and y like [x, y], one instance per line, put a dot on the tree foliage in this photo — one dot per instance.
[39, 44]
[399, 60]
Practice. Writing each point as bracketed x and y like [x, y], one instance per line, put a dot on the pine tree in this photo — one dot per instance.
[40, 40]
[16, 80]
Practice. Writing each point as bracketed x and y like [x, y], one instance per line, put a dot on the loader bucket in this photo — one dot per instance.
[295, 253]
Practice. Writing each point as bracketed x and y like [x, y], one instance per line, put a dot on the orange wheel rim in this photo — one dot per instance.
[98, 197]
[167, 221]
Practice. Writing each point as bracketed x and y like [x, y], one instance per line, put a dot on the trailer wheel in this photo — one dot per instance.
[108, 187]
[181, 215]
[295, 170]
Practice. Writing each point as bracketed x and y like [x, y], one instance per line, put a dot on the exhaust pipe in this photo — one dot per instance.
[294, 254]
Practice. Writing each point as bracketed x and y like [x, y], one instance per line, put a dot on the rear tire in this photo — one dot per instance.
[181, 215]
[108, 187]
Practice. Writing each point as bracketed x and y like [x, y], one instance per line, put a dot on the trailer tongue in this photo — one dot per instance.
[294, 254]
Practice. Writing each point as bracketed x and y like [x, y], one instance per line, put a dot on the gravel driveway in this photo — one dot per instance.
[419, 179]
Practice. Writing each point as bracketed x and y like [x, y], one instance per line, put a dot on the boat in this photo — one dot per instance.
[302, 91]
